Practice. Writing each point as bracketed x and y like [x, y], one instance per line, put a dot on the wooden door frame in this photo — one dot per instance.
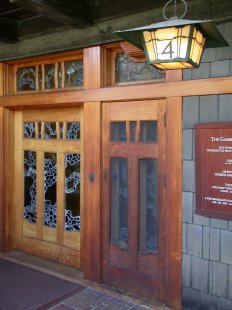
[173, 89]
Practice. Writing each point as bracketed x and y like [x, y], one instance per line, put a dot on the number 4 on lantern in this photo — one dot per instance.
[168, 50]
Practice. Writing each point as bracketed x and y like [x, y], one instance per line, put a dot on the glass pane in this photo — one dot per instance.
[133, 131]
[50, 131]
[148, 131]
[59, 73]
[40, 77]
[148, 206]
[30, 186]
[119, 202]
[127, 70]
[72, 192]
[50, 175]
[26, 79]
[118, 131]
[73, 73]
[49, 76]
[73, 131]
[61, 130]
[29, 130]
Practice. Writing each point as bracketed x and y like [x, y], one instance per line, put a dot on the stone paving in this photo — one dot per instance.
[90, 298]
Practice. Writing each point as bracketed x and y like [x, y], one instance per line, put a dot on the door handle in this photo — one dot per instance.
[91, 177]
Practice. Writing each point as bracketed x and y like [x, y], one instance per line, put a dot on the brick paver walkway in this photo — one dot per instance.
[89, 299]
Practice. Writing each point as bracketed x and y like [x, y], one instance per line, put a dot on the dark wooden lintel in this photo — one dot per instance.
[80, 17]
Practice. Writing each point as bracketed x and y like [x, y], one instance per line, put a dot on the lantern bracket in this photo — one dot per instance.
[175, 10]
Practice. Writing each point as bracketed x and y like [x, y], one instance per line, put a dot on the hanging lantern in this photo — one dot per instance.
[176, 43]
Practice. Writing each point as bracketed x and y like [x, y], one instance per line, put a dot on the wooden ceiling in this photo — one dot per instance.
[43, 22]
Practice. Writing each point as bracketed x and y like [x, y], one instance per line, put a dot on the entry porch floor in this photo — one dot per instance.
[90, 296]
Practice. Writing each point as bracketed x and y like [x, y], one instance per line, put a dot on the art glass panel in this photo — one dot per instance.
[29, 130]
[72, 192]
[119, 202]
[26, 78]
[118, 131]
[50, 180]
[128, 71]
[49, 76]
[50, 131]
[148, 132]
[30, 186]
[148, 206]
[73, 131]
[73, 73]
[133, 125]
[40, 76]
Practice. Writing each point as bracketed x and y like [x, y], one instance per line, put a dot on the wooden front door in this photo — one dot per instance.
[48, 177]
[134, 147]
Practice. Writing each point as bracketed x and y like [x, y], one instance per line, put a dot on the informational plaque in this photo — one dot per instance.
[214, 169]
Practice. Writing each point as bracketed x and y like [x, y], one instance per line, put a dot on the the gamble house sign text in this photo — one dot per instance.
[214, 169]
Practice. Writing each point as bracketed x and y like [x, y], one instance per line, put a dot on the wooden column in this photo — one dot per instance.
[173, 201]
[1, 162]
[91, 241]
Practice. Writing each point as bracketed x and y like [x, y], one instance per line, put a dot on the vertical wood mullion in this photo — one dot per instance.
[138, 128]
[62, 74]
[133, 213]
[128, 131]
[58, 130]
[64, 130]
[36, 130]
[60, 197]
[40, 193]
[42, 130]
[43, 76]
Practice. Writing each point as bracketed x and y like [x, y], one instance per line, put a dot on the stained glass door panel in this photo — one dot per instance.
[134, 192]
[51, 177]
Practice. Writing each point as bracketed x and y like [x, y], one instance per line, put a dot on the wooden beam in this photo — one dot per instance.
[60, 13]
[8, 30]
[213, 86]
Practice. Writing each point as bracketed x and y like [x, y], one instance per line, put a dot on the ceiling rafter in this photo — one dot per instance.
[58, 11]
[11, 35]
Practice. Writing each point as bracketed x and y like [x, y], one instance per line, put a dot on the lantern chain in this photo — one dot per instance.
[175, 10]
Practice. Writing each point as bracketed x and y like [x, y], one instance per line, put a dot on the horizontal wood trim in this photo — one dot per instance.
[57, 146]
[133, 110]
[52, 115]
[136, 150]
[133, 92]
[54, 252]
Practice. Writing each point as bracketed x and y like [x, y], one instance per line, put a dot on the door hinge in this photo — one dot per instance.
[164, 278]
[165, 120]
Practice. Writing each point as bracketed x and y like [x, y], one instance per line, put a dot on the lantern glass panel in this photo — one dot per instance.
[167, 43]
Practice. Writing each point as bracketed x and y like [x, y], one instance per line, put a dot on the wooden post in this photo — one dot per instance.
[173, 201]
[91, 241]
[1, 161]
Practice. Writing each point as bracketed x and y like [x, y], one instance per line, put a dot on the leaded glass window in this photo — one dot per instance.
[50, 179]
[72, 192]
[26, 78]
[129, 71]
[119, 202]
[49, 76]
[30, 186]
[148, 206]
[73, 73]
